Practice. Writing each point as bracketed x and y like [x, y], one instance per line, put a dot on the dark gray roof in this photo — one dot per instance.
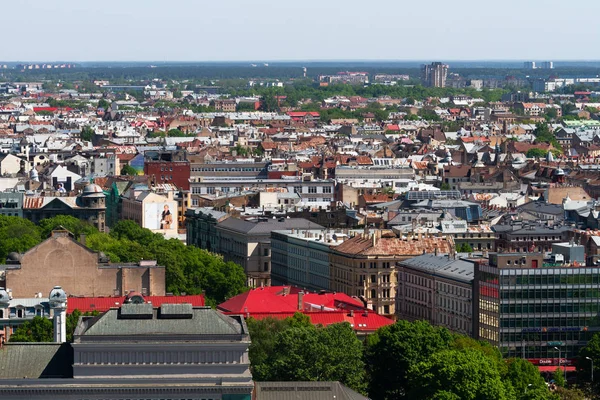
[139, 319]
[442, 266]
[257, 228]
[305, 391]
[542, 207]
[36, 360]
[433, 195]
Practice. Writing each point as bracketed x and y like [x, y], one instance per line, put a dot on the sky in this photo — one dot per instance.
[268, 30]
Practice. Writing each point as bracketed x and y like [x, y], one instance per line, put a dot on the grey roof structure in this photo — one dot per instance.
[209, 211]
[433, 195]
[443, 266]
[305, 391]
[266, 227]
[36, 360]
[143, 319]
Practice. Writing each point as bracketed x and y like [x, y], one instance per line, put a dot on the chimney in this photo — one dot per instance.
[435, 251]
[300, 301]
[82, 239]
[352, 313]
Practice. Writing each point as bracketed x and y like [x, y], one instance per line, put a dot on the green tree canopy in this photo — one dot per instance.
[39, 329]
[394, 349]
[74, 225]
[17, 234]
[466, 373]
[295, 350]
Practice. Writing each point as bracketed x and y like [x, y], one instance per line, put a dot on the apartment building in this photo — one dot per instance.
[301, 257]
[437, 289]
[434, 74]
[365, 265]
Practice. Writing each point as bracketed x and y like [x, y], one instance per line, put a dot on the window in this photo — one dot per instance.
[20, 313]
[297, 189]
[386, 309]
[373, 278]
[373, 293]
[195, 202]
[312, 189]
[312, 199]
[266, 252]
[326, 189]
[266, 266]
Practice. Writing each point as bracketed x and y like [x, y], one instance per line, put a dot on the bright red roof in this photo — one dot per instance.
[101, 304]
[303, 113]
[51, 109]
[360, 321]
[274, 299]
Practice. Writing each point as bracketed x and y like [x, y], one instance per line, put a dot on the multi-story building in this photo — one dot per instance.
[313, 193]
[301, 257]
[203, 354]
[11, 204]
[248, 243]
[168, 167]
[150, 210]
[437, 289]
[528, 309]
[201, 227]
[89, 206]
[79, 270]
[434, 74]
[365, 265]
[529, 237]
[225, 105]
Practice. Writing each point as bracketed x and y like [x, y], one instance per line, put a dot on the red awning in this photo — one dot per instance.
[552, 368]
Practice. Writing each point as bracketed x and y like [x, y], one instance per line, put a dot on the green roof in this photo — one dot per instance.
[178, 321]
[36, 360]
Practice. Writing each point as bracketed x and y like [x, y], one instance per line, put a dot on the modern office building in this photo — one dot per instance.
[434, 74]
[528, 308]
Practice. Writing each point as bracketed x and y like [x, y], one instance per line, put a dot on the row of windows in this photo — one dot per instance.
[556, 279]
[545, 322]
[223, 169]
[550, 308]
[550, 294]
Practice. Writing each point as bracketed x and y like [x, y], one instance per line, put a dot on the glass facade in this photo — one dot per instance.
[534, 310]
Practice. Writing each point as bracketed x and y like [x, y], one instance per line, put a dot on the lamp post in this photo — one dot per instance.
[564, 366]
[592, 361]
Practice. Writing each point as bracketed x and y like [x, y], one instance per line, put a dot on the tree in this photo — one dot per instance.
[74, 225]
[464, 248]
[445, 186]
[294, 350]
[17, 235]
[467, 373]
[394, 349]
[536, 153]
[103, 104]
[559, 377]
[175, 133]
[39, 329]
[592, 351]
[525, 378]
[87, 133]
[128, 170]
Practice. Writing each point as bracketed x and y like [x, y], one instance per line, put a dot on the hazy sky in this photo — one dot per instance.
[224, 30]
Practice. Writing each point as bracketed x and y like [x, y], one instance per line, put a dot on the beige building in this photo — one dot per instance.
[159, 213]
[61, 260]
[365, 265]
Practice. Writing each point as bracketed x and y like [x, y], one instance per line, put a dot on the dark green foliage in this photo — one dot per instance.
[39, 329]
[295, 350]
[464, 248]
[188, 268]
[128, 170]
[74, 225]
[544, 135]
[466, 373]
[393, 350]
[525, 378]
[87, 133]
[536, 153]
[18, 235]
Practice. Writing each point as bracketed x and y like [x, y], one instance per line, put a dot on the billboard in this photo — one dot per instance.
[161, 216]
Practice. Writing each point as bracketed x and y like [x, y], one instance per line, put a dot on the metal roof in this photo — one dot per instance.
[433, 195]
[443, 266]
[305, 391]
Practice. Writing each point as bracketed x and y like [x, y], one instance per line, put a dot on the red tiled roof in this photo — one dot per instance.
[301, 114]
[358, 320]
[51, 109]
[285, 299]
[102, 304]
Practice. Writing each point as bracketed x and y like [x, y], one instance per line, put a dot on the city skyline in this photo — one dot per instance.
[267, 30]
